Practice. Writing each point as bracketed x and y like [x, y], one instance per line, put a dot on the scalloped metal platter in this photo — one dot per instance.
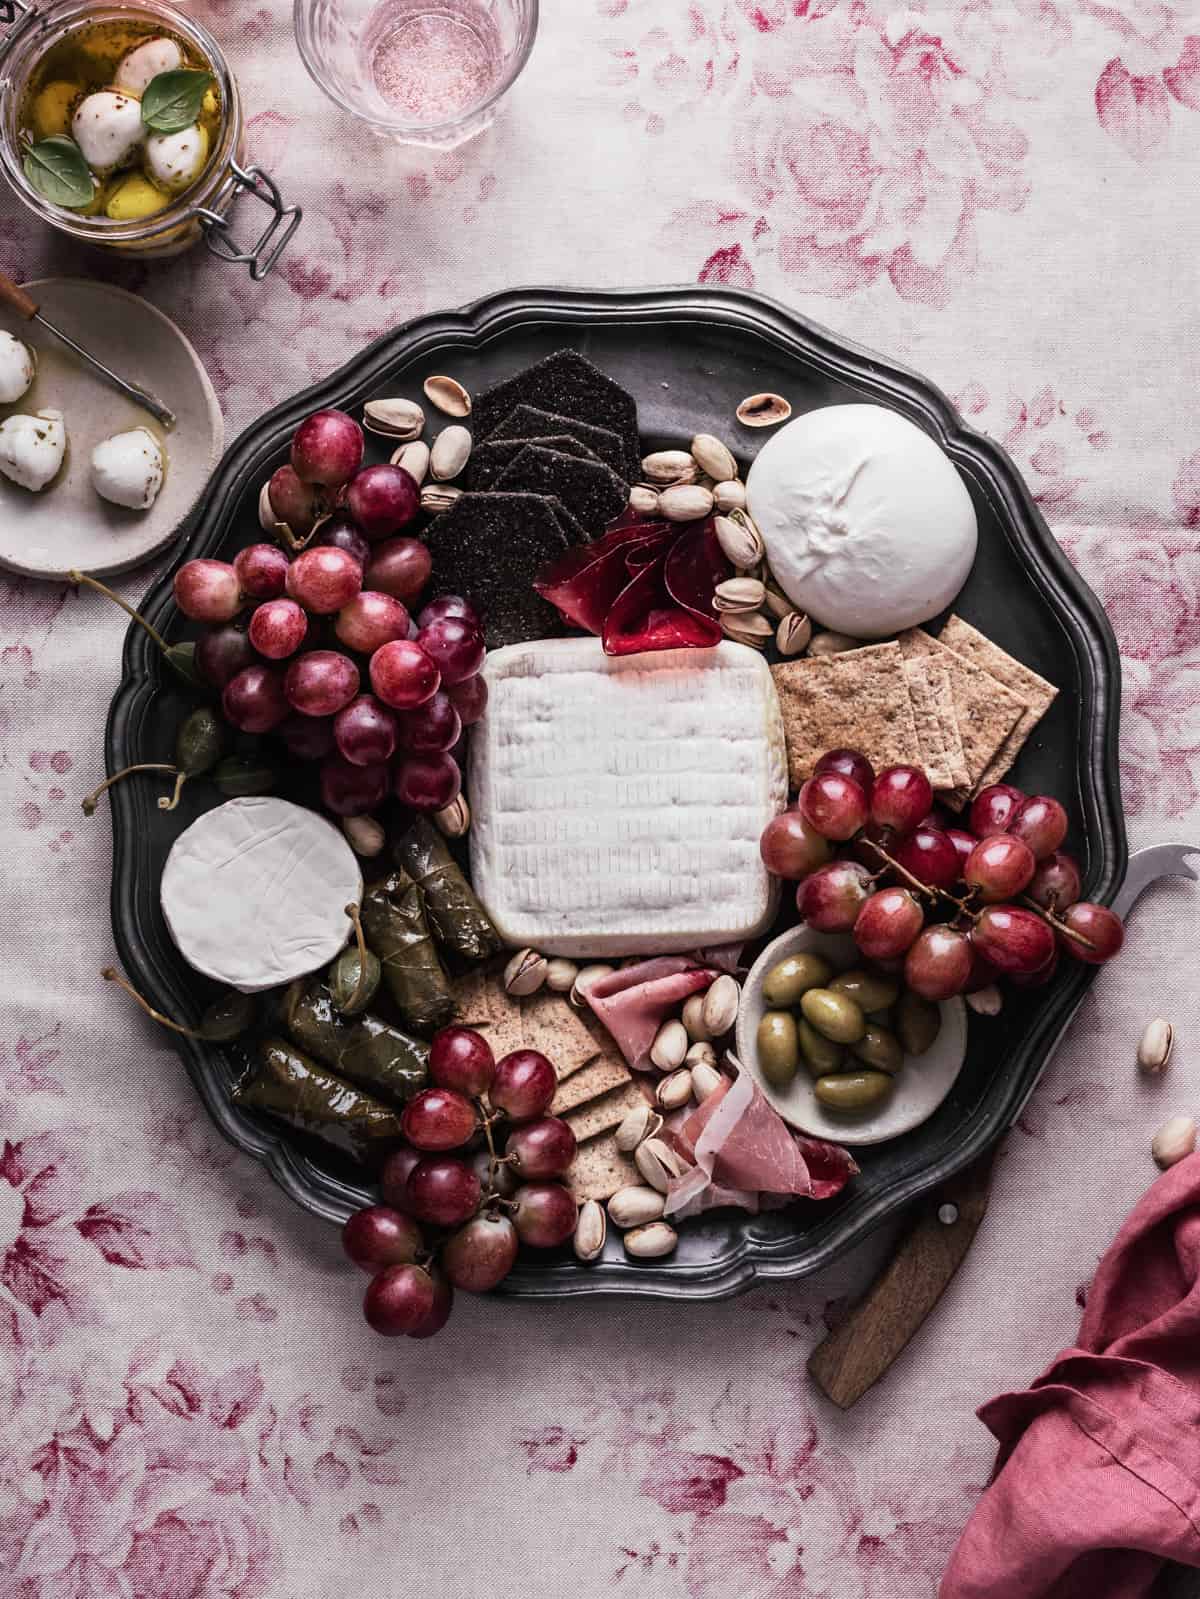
[689, 355]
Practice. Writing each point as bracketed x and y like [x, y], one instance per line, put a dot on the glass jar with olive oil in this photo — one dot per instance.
[121, 125]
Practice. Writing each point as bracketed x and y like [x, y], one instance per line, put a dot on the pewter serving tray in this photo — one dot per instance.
[689, 355]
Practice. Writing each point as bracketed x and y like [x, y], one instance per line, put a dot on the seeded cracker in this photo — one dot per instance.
[855, 700]
[490, 547]
[491, 456]
[1037, 694]
[986, 711]
[591, 492]
[544, 1021]
[607, 1113]
[525, 420]
[932, 696]
[600, 1169]
[581, 1087]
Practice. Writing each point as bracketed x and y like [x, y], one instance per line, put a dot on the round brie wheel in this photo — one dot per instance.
[867, 524]
[255, 891]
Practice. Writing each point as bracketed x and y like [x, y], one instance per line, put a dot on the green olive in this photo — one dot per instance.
[869, 990]
[344, 987]
[834, 1015]
[918, 1022]
[778, 1047]
[881, 1018]
[853, 1091]
[200, 741]
[793, 976]
[880, 1049]
[821, 1055]
[229, 1017]
[238, 775]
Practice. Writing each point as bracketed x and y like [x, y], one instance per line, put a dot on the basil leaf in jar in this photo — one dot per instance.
[56, 169]
[172, 100]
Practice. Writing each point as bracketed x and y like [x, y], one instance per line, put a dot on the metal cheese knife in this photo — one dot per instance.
[858, 1352]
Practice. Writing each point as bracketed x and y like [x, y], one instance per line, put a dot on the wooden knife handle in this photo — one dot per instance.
[859, 1351]
[13, 295]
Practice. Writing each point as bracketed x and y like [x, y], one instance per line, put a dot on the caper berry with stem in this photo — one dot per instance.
[353, 982]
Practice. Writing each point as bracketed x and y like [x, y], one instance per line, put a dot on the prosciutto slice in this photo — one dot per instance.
[634, 1002]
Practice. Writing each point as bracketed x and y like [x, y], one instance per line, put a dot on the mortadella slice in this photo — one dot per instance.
[634, 1002]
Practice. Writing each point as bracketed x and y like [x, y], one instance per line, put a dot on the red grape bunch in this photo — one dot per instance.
[322, 648]
[953, 908]
[451, 1180]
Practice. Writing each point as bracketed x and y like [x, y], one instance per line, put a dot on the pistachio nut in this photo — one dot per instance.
[793, 633]
[658, 1163]
[777, 603]
[365, 835]
[670, 1046]
[721, 1005]
[635, 1205]
[685, 502]
[701, 1054]
[713, 458]
[1174, 1141]
[584, 978]
[651, 1242]
[394, 419]
[669, 466]
[986, 1001]
[747, 627]
[439, 497]
[640, 1123]
[561, 975]
[450, 452]
[693, 1019]
[1154, 1047]
[414, 458]
[737, 594]
[830, 643]
[675, 1090]
[729, 495]
[741, 543]
[591, 1230]
[525, 973]
[643, 500]
[448, 395]
[454, 820]
[706, 1080]
[763, 410]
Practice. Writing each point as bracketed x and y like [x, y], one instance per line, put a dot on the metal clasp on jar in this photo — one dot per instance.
[273, 240]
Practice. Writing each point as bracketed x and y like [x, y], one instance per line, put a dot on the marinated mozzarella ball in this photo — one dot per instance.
[128, 469]
[16, 368]
[32, 448]
[176, 159]
[146, 61]
[107, 127]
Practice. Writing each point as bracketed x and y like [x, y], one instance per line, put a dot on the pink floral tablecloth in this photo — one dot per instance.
[1001, 193]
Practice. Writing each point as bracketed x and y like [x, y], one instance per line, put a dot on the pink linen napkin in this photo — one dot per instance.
[1098, 1476]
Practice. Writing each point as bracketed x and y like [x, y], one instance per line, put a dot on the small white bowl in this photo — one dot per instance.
[921, 1085]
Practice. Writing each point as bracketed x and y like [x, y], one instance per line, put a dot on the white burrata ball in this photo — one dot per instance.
[32, 448]
[176, 159]
[867, 524]
[108, 129]
[146, 61]
[16, 368]
[128, 469]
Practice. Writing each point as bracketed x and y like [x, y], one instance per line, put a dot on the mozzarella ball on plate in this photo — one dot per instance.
[146, 61]
[32, 448]
[868, 526]
[16, 368]
[176, 159]
[108, 129]
[128, 469]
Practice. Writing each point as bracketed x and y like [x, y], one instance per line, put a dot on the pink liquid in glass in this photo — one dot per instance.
[434, 62]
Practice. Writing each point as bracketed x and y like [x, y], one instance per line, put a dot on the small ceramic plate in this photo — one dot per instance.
[68, 524]
[921, 1085]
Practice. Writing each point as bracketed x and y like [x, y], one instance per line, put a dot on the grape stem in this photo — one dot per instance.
[90, 801]
[928, 889]
[111, 975]
[358, 997]
[289, 540]
[1056, 922]
[494, 1161]
[76, 576]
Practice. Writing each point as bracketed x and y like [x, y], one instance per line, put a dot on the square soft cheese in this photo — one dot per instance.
[617, 801]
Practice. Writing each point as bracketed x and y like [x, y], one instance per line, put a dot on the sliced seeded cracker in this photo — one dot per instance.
[1018, 678]
[600, 1169]
[607, 1112]
[590, 491]
[564, 1035]
[526, 421]
[932, 696]
[583, 1086]
[985, 710]
[567, 384]
[490, 547]
[857, 700]
[483, 1005]
[491, 456]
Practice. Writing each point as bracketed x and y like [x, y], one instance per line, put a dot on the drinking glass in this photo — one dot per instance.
[423, 72]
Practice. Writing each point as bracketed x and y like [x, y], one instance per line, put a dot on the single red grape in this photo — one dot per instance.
[450, 605]
[791, 848]
[262, 570]
[939, 962]
[1057, 882]
[888, 923]
[320, 682]
[398, 1300]
[277, 628]
[349, 790]
[470, 699]
[437, 1119]
[427, 782]
[994, 808]
[1039, 978]
[443, 1304]
[481, 1254]
[524, 1085]
[862, 847]
[999, 867]
[1100, 932]
[393, 1179]
[1012, 939]
[383, 499]
[851, 764]
[323, 579]
[443, 1191]
[545, 1214]
[454, 646]
[341, 532]
[308, 738]
[930, 855]
[208, 591]
[365, 731]
[432, 727]
[1041, 822]
[543, 1148]
[293, 501]
[462, 1059]
[399, 567]
[830, 898]
[403, 675]
[964, 843]
[983, 974]
[380, 1236]
[223, 652]
[901, 798]
[833, 805]
[327, 448]
[254, 701]
[369, 620]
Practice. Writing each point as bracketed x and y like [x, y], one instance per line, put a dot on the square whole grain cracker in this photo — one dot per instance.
[932, 696]
[600, 1169]
[566, 1036]
[985, 710]
[1020, 679]
[605, 1114]
[483, 1005]
[857, 700]
[590, 1082]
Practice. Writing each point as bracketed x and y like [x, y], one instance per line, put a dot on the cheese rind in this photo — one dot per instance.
[618, 802]
[255, 891]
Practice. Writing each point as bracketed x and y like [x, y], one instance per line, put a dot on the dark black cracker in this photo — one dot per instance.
[489, 458]
[568, 383]
[527, 421]
[490, 547]
[590, 491]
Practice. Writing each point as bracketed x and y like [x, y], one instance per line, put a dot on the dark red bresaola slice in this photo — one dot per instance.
[694, 566]
[645, 617]
[585, 582]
